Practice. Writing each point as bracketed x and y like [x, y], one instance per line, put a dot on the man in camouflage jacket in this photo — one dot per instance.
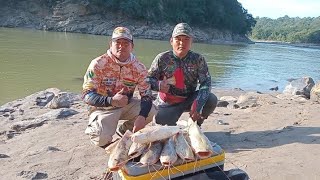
[175, 74]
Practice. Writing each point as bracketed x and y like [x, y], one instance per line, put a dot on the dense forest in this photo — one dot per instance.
[286, 29]
[219, 14]
[232, 21]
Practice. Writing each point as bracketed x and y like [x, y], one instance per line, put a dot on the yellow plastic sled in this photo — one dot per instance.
[133, 172]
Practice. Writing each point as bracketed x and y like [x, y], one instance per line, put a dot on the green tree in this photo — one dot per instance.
[220, 14]
[286, 29]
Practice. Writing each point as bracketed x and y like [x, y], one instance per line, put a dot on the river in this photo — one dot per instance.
[33, 60]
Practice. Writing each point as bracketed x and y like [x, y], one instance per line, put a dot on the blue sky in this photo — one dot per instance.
[279, 8]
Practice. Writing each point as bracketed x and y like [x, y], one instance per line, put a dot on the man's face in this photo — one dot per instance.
[181, 45]
[121, 48]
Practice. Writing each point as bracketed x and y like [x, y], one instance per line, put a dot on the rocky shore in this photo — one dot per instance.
[88, 18]
[270, 136]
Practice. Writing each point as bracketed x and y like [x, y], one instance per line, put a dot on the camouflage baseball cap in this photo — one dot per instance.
[182, 29]
[121, 32]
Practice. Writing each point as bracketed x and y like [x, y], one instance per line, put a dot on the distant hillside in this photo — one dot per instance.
[286, 29]
[219, 14]
[214, 21]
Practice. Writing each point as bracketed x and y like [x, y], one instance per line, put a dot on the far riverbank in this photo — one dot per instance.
[88, 18]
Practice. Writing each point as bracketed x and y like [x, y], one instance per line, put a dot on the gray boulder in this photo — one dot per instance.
[44, 98]
[38, 121]
[247, 100]
[32, 175]
[301, 86]
[228, 99]
[315, 93]
[224, 101]
[63, 100]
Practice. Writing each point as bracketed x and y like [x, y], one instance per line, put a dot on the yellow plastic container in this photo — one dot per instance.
[177, 171]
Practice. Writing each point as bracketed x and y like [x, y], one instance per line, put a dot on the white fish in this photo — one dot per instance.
[136, 149]
[183, 123]
[183, 149]
[119, 155]
[110, 148]
[168, 155]
[154, 133]
[199, 142]
[152, 154]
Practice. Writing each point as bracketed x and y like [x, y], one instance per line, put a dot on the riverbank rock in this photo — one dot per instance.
[32, 175]
[224, 101]
[315, 93]
[33, 111]
[297, 98]
[228, 99]
[247, 100]
[40, 120]
[301, 86]
[63, 100]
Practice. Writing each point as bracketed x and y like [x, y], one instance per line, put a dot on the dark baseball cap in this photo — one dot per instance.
[182, 29]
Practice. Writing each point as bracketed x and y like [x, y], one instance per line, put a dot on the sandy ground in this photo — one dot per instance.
[278, 139]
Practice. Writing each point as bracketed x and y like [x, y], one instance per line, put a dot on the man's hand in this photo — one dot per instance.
[119, 100]
[194, 114]
[164, 85]
[139, 123]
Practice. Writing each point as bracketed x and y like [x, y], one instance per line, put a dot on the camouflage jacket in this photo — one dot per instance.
[106, 76]
[188, 72]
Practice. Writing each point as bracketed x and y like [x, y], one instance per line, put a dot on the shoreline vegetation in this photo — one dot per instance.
[288, 29]
[146, 19]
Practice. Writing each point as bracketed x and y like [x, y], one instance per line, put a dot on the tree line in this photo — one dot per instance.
[286, 29]
[219, 14]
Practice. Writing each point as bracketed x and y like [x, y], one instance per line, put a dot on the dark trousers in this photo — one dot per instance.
[169, 114]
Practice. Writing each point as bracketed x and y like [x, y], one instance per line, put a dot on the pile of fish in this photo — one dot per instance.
[164, 143]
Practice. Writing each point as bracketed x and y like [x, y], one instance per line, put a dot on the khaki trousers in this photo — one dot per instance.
[103, 123]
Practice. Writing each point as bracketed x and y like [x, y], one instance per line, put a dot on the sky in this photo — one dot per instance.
[279, 8]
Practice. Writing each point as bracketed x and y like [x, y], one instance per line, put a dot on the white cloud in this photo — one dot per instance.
[280, 8]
